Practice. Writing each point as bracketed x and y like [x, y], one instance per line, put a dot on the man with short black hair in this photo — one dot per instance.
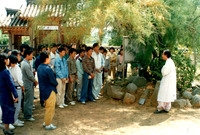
[80, 72]
[23, 47]
[61, 70]
[53, 55]
[41, 48]
[71, 62]
[29, 80]
[88, 76]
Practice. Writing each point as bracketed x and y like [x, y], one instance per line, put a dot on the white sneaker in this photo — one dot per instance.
[18, 124]
[50, 127]
[11, 127]
[72, 103]
[61, 106]
[97, 98]
[30, 119]
[64, 105]
[43, 124]
[1, 126]
[100, 94]
[20, 121]
[0, 121]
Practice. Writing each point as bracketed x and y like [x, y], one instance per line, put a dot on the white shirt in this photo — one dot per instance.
[17, 75]
[98, 59]
[52, 59]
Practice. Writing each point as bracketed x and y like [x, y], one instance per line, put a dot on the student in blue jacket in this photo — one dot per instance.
[48, 91]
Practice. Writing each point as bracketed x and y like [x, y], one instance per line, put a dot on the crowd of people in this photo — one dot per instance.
[65, 75]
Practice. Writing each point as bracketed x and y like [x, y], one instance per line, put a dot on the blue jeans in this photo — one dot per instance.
[86, 92]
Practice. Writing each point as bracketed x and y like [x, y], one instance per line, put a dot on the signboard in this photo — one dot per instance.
[128, 57]
[48, 27]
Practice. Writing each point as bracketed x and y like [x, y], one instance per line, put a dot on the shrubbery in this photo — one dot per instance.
[184, 67]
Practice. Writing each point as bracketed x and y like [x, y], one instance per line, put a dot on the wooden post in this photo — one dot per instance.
[125, 43]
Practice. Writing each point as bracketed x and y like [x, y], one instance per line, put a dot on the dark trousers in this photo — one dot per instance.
[86, 92]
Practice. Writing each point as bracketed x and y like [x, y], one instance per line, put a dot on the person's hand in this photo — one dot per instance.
[15, 100]
[35, 83]
[101, 68]
[71, 79]
[34, 72]
[63, 80]
[92, 75]
[66, 80]
[97, 70]
[23, 89]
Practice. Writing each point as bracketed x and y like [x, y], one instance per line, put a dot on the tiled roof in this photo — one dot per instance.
[35, 10]
[20, 19]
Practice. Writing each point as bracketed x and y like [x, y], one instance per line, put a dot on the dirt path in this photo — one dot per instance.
[111, 117]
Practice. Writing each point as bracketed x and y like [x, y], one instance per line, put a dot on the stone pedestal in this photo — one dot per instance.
[154, 96]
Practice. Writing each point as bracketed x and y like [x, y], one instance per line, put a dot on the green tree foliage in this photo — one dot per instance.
[3, 38]
[152, 25]
[184, 68]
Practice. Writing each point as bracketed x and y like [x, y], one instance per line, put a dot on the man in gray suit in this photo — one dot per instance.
[29, 81]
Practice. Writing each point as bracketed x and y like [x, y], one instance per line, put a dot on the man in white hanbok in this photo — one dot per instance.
[167, 90]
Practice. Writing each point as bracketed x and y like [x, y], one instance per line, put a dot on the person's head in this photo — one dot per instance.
[23, 47]
[61, 51]
[17, 54]
[96, 47]
[83, 46]
[112, 50]
[81, 53]
[13, 60]
[66, 48]
[54, 47]
[7, 51]
[101, 49]
[72, 52]
[166, 54]
[4, 61]
[89, 51]
[121, 52]
[41, 48]
[44, 57]
[28, 53]
[73, 45]
[59, 45]
[105, 52]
